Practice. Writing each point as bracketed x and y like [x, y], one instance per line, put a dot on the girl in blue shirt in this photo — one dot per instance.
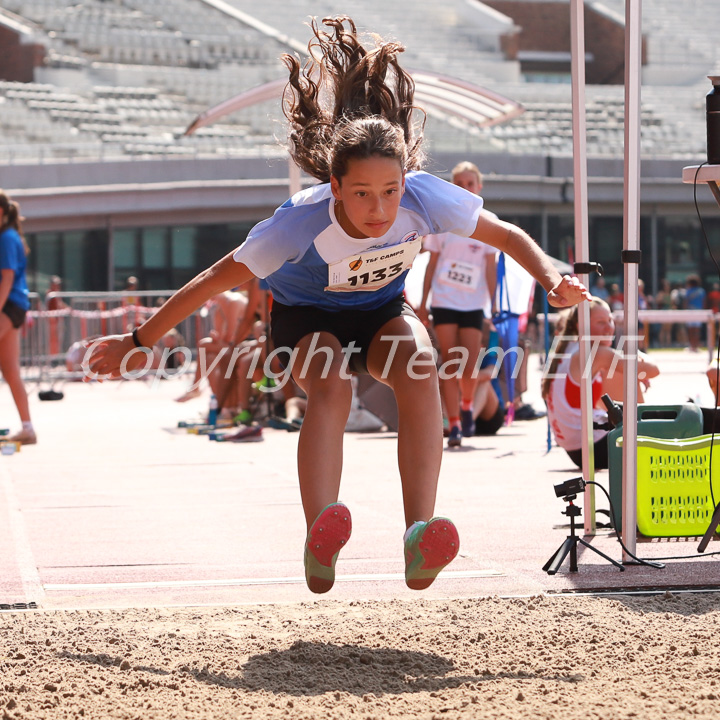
[15, 304]
[335, 257]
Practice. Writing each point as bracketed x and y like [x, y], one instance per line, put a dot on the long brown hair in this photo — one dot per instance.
[568, 330]
[346, 102]
[11, 217]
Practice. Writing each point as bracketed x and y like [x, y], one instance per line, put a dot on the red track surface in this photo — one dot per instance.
[115, 507]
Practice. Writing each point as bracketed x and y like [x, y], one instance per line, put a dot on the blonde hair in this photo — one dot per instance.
[466, 166]
[347, 102]
[567, 329]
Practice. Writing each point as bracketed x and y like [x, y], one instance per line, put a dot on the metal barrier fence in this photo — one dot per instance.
[650, 316]
[31, 336]
[54, 326]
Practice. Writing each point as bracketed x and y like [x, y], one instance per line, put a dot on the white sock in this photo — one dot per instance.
[411, 528]
[28, 426]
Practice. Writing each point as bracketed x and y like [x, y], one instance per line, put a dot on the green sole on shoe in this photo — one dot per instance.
[328, 535]
[429, 549]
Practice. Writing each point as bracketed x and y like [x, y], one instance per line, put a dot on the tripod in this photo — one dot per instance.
[570, 544]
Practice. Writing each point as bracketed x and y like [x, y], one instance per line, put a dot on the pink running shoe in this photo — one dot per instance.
[327, 536]
[429, 548]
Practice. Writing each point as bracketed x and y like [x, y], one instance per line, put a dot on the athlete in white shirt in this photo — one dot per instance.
[460, 282]
[335, 257]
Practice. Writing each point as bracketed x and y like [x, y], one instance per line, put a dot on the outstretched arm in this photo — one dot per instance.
[107, 354]
[563, 291]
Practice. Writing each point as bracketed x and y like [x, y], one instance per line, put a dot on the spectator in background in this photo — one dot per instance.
[15, 302]
[561, 383]
[713, 303]
[694, 300]
[131, 285]
[132, 318]
[460, 278]
[53, 304]
[677, 294]
[233, 318]
[600, 290]
[713, 298]
[488, 405]
[663, 301]
[616, 300]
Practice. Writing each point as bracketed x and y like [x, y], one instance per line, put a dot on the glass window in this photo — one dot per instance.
[47, 259]
[606, 240]
[709, 271]
[182, 247]
[73, 265]
[679, 247]
[125, 248]
[125, 256]
[154, 248]
[561, 237]
[182, 256]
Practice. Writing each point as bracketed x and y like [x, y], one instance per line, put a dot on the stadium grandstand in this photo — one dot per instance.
[95, 98]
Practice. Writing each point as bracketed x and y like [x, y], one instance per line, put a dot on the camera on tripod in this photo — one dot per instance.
[569, 489]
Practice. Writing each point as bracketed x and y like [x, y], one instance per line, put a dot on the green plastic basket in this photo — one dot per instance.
[673, 487]
[655, 421]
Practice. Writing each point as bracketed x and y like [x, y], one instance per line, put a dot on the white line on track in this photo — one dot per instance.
[450, 575]
[27, 567]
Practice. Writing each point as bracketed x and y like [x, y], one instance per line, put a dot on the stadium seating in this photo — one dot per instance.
[144, 69]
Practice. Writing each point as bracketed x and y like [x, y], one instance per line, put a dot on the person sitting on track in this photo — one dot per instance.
[233, 317]
[561, 381]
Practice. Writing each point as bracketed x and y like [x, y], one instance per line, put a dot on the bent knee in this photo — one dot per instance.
[331, 386]
[416, 367]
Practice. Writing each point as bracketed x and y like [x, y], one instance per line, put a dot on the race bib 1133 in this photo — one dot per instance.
[373, 269]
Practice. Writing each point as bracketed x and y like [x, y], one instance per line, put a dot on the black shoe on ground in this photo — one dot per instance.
[528, 412]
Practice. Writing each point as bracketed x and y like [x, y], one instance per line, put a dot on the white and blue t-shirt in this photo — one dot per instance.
[308, 259]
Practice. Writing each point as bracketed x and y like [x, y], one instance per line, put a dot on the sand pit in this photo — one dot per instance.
[541, 657]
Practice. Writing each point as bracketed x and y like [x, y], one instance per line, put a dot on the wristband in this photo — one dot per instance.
[137, 342]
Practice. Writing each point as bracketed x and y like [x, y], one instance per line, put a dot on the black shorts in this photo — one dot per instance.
[711, 420]
[491, 426]
[600, 453]
[15, 313]
[461, 318]
[291, 323]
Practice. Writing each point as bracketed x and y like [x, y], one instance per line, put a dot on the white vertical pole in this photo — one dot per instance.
[577, 45]
[631, 243]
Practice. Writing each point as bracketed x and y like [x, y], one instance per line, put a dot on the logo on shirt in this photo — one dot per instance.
[355, 264]
[407, 238]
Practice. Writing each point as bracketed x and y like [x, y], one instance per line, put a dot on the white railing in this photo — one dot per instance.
[49, 334]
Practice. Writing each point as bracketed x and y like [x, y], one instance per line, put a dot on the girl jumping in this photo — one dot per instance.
[335, 257]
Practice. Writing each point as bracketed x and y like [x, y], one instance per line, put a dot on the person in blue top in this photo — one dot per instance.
[15, 303]
[335, 257]
[694, 299]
